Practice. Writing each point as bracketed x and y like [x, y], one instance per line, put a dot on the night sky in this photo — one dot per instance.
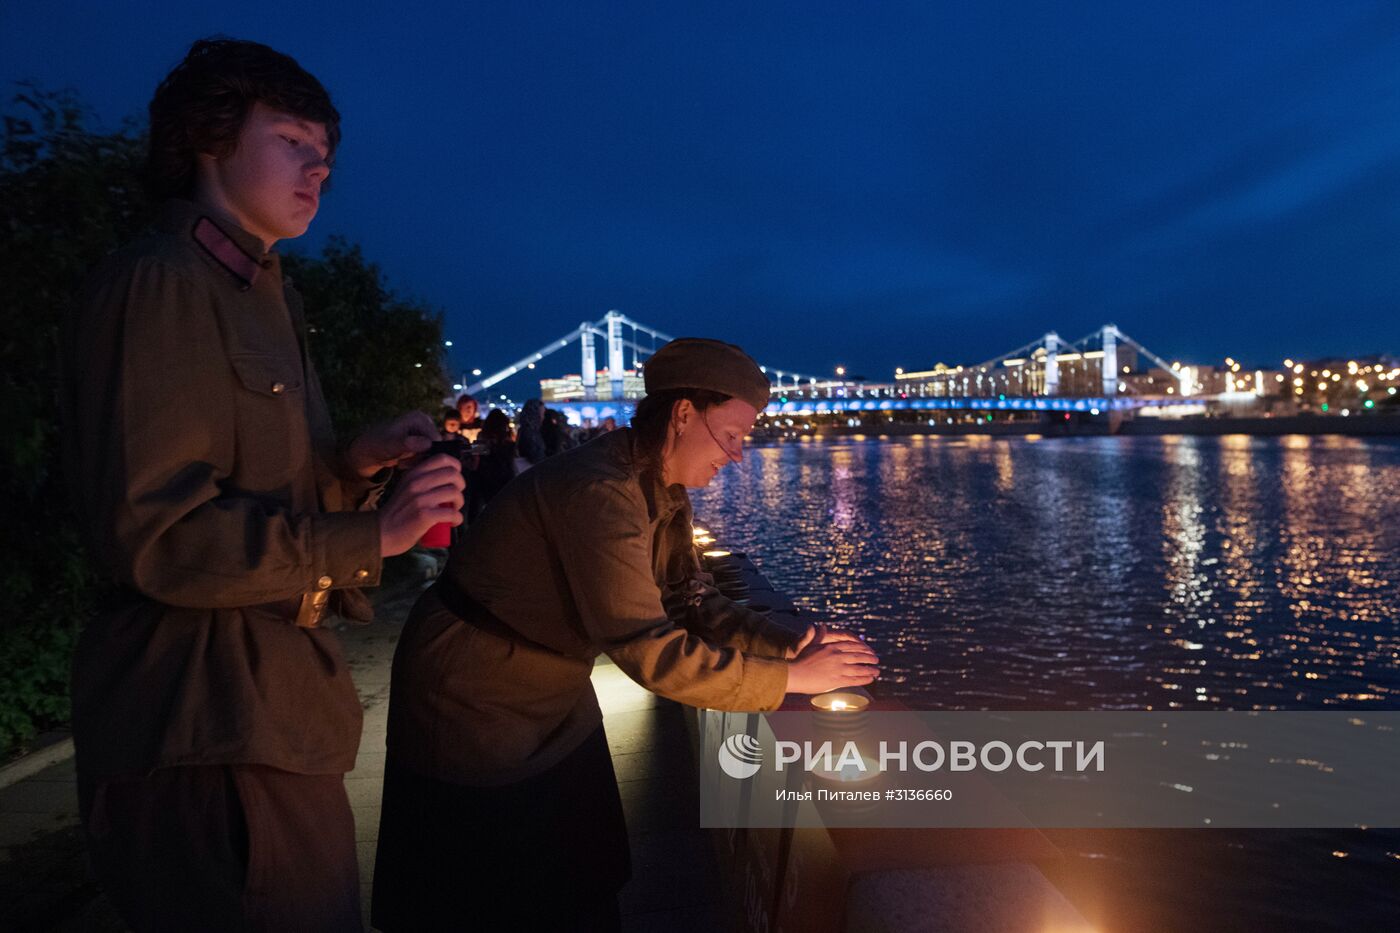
[834, 183]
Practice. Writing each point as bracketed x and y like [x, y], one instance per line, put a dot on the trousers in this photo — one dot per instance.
[225, 847]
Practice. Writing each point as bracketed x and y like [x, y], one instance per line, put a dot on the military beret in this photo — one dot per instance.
[699, 363]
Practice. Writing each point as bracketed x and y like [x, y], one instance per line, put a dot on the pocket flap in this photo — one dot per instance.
[267, 374]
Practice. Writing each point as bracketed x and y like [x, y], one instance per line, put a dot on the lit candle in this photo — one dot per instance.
[716, 553]
[840, 701]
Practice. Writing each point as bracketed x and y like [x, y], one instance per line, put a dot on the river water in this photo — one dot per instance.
[1113, 573]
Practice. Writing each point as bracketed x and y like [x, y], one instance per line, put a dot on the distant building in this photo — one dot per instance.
[570, 388]
[1075, 373]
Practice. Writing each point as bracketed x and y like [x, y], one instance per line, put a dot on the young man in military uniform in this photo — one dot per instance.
[214, 717]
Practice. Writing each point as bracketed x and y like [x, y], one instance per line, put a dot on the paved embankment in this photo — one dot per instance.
[44, 883]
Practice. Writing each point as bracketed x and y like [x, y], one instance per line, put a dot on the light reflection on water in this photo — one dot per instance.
[1091, 573]
[1112, 573]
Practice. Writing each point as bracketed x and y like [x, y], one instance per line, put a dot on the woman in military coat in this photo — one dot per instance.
[499, 784]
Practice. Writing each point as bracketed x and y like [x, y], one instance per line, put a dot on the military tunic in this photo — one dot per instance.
[579, 556]
[499, 783]
[202, 462]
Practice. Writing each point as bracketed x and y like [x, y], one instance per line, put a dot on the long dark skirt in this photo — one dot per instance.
[547, 853]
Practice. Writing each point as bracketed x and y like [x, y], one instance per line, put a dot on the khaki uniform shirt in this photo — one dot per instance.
[576, 557]
[200, 457]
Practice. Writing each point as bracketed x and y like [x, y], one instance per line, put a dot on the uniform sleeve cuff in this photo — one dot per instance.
[345, 550]
[764, 684]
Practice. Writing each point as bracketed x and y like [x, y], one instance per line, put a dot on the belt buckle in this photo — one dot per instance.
[313, 608]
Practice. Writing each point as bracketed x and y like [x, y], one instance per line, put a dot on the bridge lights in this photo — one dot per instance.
[840, 370]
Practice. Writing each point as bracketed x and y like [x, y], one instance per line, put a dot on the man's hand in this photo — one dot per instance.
[391, 443]
[819, 635]
[429, 493]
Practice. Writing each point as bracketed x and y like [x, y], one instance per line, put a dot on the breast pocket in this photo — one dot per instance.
[273, 439]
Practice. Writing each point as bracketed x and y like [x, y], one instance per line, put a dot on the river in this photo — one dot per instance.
[1113, 573]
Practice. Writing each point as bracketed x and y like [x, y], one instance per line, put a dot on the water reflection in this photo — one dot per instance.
[1176, 572]
[1114, 573]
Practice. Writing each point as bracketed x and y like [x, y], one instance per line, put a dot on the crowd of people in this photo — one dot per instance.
[497, 450]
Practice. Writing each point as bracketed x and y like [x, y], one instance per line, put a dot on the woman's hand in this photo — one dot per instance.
[820, 635]
[830, 665]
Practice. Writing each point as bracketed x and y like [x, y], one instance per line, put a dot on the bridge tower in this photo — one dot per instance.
[1110, 361]
[1052, 363]
[616, 365]
[589, 366]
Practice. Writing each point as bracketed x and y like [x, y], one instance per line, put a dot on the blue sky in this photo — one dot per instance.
[873, 185]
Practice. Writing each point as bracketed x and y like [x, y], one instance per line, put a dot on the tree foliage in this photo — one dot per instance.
[378, 355]
[67, 197]
[70, 194]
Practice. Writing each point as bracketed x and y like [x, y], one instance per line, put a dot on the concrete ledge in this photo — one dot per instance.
[36, 761]
[880, 880]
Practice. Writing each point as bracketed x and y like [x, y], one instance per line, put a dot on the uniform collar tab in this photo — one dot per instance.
[226, 252]
[239, 252]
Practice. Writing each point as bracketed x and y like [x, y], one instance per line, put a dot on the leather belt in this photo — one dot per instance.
[465, 607]
[308, 610]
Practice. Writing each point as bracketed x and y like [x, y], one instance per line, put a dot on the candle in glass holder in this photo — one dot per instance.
[716, 554]
[840, 701]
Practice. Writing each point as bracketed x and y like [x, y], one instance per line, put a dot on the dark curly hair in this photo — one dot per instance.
[202, 103]
[653, 417]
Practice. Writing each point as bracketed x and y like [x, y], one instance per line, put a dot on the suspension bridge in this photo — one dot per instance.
[1103, 371]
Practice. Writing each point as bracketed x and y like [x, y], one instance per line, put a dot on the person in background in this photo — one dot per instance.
[451, 423]
[495, 466]
[529, 438]
[557, 434]
[213, 716]
[470, 422]
[499, 784]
